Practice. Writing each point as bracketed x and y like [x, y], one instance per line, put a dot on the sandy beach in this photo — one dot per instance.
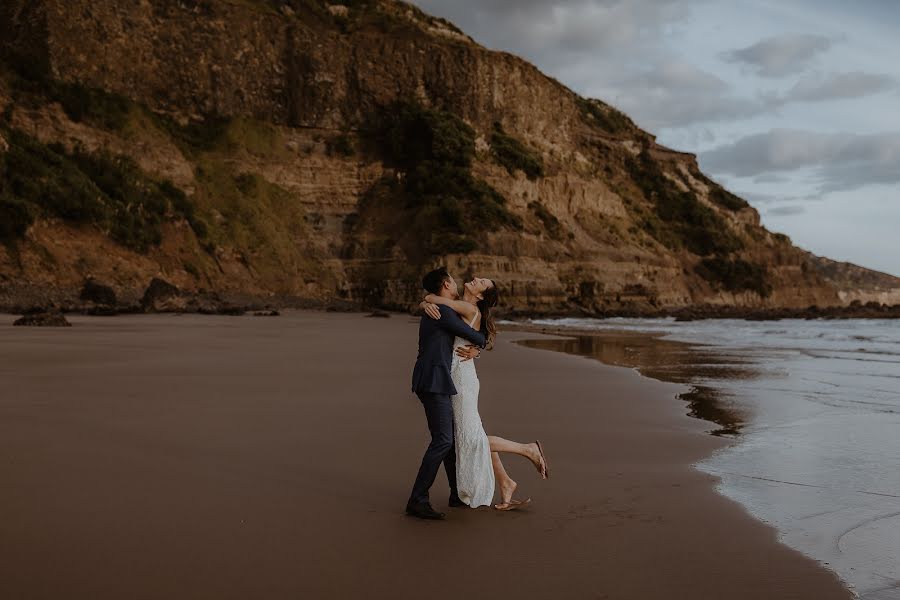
[247, 457]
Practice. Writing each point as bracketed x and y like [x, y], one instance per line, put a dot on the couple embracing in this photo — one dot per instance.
[452, 332]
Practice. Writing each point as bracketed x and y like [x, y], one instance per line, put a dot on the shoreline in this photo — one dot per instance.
[786, 396]
[248, 463]
[160, 296]
[658, 358]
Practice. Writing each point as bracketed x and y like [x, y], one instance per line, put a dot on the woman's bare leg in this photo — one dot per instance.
[505, 484]
[529, 451]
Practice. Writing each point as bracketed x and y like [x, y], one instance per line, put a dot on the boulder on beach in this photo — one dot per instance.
[102, 297]
[43, 317]
[162, 296]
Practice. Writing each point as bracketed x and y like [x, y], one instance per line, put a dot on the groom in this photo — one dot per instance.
[432, 383]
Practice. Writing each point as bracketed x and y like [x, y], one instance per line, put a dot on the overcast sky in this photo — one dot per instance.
[792, 104]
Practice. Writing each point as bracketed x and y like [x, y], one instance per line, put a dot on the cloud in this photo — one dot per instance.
[839, 161]
[623, 51]
[834, 86]
[785, 211]
[771, 178]
[674, 93]
[616, 50]
[556, 27]
[781, 55]
[759, 198]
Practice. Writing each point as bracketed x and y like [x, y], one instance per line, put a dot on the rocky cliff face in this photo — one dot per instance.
[316, 148]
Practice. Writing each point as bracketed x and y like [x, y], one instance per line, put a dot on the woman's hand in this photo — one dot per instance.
[431, 310]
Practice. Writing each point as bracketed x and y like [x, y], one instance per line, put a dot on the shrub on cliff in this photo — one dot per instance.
[15, 218]
[551, 224]
[341, 145]
[195, 136]
[606, 117]
[717, 194]
[31, 84]
[411, 134]
[101, 189]
[726, 199]
[83, 103]
[513, 154]
[42, 175]
[694, 225]
[735, 275]
[436, 192]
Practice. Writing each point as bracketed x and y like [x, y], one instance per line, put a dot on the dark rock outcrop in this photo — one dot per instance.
[97, 293]
[162, 296]
[43, 317]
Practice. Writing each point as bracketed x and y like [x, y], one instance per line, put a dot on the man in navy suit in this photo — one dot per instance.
[432, 383]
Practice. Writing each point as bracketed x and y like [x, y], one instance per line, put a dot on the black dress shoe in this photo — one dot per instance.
[423, 511]
[455, 502]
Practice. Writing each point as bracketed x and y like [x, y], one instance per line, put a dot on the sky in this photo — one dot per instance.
[791, 104]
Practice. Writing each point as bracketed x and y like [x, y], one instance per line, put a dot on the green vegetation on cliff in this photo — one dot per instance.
[436, 191]
[108, 191]
[605, 116]
[726, 199]
[735, 275]
[31, 85]
[258, 220]
[552, 226]
[680, 218]
[513, 154]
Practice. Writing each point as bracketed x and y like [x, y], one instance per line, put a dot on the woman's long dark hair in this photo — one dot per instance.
[489, 299]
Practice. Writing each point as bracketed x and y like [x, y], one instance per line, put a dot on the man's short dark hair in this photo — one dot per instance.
[434, 280]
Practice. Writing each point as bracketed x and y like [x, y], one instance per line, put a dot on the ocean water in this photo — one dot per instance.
[816, 449]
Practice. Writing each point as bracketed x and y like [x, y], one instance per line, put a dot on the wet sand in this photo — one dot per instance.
[239, 457]
[661, 359]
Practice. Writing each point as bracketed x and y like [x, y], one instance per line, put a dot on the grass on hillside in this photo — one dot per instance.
[605, 116]
[436, 191]
[735, 275]
[679, 219]
[110, 192]
[513, 154]
[552, 226]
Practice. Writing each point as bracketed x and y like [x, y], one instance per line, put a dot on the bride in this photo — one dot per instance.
[478, 463]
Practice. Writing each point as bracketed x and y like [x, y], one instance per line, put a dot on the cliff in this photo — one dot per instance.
[333, 152]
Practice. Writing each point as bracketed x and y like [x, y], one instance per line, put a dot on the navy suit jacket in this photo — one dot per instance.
[432, 371]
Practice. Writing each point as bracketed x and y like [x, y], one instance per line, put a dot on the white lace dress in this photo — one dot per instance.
[474, 474]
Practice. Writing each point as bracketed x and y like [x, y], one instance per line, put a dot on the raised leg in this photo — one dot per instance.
[529, 451]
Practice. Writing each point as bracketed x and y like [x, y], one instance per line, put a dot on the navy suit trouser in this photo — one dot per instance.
[439, 412]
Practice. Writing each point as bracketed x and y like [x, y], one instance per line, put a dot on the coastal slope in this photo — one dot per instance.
[331, 152]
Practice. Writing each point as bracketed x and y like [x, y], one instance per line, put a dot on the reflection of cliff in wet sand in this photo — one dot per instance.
[666, 360]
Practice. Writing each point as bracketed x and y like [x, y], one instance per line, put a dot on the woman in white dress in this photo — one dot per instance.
[478, 464]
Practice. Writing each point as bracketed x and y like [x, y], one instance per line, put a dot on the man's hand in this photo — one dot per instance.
[468, 352]
[431, 310]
